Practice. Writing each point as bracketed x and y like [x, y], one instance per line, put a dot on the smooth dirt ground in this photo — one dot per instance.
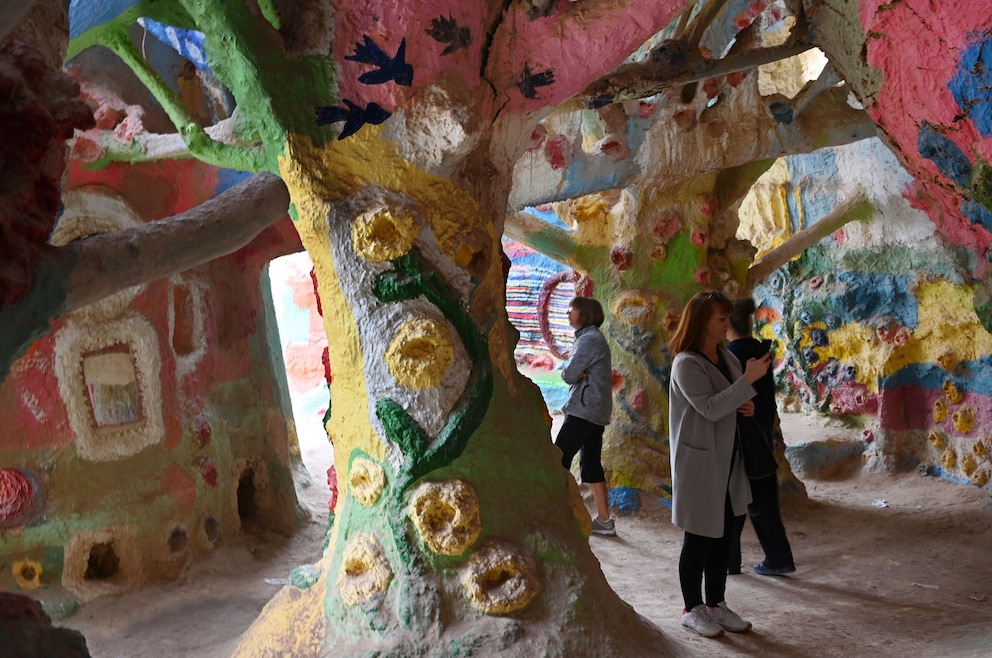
[888, 565]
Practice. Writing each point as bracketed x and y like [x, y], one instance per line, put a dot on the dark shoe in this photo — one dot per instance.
[733, 571]
[763, 569]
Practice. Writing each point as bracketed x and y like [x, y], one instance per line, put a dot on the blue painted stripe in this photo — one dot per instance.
[87, 14]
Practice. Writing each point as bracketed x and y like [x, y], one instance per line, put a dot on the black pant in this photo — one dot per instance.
[767, 521]
[706, 555]
[585, 438]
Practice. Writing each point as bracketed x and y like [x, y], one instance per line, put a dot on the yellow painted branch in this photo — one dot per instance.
[858, 208]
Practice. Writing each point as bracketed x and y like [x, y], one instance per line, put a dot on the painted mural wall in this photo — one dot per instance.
[876, 323]
[151, 427]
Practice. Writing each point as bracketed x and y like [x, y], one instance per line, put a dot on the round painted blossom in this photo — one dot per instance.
[421, 353]
[16, 497]
[366, 480]
[940, 409]
[383, 234]
[819, 337]
[500, 579]
[27, 574]
[963, 419]
[446, 515]
[364, 571]
[951, 391]
[622, 258]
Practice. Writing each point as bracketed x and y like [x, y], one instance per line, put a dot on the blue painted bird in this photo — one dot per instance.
[354, 117]
[447, 30]
[389, 68]
[528, 81]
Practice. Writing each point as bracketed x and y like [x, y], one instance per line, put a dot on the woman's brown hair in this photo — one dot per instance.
[590, 311]
[695, 315]
[740, 319]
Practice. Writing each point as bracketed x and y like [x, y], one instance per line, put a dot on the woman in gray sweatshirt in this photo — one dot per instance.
[709, 486]
[589, 374]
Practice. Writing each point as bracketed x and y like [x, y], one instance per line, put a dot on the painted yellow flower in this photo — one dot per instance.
[963, 419]
[421, 353]
[365, 571]
[27, 574]
[980, 478]
[634, 308]
[366, 479]
[446, 515]
[499, 579]
[383, 234]
[937, 439]
[968, 464]
[940, 409]
[948, 360]
[953, 394]
[949, 458]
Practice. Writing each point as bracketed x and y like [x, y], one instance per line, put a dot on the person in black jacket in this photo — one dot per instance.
[764, 508]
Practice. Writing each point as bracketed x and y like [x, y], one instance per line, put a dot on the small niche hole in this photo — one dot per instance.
[178, 540]
[246, 496]
[103, 563]
[211, 528]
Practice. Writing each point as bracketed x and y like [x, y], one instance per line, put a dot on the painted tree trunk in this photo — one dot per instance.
[456, 530]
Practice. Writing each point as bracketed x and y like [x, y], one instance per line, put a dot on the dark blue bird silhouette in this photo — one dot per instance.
[389, 68]
[447, 30]
[354, 117]
[528, 81]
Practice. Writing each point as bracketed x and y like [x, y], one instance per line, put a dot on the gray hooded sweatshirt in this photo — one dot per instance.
[589, 397]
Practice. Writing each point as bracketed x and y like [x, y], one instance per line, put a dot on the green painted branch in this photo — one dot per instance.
[102, 265]
[858, 208]
[197, 141]
[277, 93]
[150, 147]
[537, 234]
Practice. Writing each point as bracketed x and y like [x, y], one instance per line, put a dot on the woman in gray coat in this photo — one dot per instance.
[709, 486]
[589, 375]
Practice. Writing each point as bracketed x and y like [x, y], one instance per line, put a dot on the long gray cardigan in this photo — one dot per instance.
[702, 418]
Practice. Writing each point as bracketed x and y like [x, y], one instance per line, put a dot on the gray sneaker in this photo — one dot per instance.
[729, 619]
[606, 528]
[698, 620]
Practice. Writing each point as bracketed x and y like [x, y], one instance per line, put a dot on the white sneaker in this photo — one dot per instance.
[729, 619]
[698, 619]
[605, 528]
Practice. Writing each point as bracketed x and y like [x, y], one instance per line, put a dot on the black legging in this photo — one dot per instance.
[706, 555]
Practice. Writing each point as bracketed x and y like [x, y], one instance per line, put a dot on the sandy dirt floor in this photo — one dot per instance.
[888, 565]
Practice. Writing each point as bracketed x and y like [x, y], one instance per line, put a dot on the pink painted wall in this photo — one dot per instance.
[210, 415]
